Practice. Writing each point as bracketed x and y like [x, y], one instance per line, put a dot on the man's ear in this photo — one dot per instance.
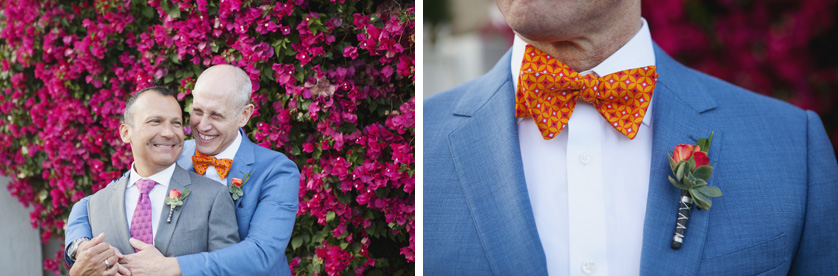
[125, 133]
[245, 115]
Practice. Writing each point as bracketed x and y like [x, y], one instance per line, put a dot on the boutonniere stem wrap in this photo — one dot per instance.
[691, 167]
[174, 200]
[236, 186]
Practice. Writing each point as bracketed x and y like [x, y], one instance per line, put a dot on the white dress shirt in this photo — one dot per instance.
[157, 195]
[588, 186]
[227, 153]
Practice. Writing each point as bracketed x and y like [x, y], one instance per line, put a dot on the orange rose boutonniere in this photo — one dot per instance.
[692, 170]
[174, 200]
[236, 186]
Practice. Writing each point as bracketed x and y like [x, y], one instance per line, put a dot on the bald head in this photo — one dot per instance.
[226, 79]
[220, 107]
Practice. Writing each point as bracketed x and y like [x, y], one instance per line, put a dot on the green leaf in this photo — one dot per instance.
[702, 201]
[679, 170]
[710, 191]
[677, 184]
[355, 248]
[330, 216]
[174, 12]
[148, 12]
[688, 180]
[691, 163]
[319, 236]
[296, 242]
[671, 162]
[703, 172]
[709, 140]
[698, 182]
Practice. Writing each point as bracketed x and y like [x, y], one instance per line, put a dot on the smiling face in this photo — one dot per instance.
[218, 110]
[155, 132]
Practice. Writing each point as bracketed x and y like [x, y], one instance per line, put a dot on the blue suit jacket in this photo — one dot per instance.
[265, 214]
[776, 168]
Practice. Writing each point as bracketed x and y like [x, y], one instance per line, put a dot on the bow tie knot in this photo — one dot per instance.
[589, 91]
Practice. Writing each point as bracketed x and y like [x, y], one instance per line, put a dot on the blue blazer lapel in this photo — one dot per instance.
[242, 164]
[677, 112]
[487, 158]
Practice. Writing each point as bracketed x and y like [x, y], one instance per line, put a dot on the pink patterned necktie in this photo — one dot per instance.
[141, 223]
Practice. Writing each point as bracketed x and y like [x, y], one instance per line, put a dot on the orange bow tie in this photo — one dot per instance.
[202, 161]
[548, 89]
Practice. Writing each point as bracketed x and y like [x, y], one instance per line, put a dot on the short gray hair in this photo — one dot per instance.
[128, 114]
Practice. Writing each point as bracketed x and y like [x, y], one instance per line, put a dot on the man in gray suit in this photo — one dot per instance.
[133, 208]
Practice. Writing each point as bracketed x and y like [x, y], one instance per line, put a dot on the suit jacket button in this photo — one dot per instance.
[589, 268]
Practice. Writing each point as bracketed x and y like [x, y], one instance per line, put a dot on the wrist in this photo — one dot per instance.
[172, 266]
[72, 250]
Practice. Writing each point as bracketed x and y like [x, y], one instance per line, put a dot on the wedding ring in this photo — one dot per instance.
[107, 264]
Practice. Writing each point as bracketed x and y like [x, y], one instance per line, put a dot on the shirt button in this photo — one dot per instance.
[589, 268]
[585, 158]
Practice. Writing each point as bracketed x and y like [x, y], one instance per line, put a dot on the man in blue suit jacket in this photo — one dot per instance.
[775, 166]
[267, 209]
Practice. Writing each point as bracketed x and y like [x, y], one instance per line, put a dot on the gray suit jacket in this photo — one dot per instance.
[205, 222]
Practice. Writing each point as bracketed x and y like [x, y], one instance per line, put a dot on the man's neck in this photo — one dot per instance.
[586, 52]
[146, 173]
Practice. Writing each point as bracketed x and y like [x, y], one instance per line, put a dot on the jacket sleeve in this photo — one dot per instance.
[816, 254]
[223, 229]
[78, 226]
[263, 248]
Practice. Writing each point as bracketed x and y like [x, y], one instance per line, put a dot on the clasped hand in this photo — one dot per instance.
[96, 257]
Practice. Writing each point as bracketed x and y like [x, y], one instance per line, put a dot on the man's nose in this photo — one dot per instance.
[204, 123]
[167, 131]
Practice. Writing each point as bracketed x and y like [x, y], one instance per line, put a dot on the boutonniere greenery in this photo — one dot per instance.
[174, 200]
[236, 186]
[691, 167]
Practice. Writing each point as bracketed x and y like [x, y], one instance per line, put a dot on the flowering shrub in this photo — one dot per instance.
[334, 85]
[783, 49]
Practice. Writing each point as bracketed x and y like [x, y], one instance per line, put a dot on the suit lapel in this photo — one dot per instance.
[242, 163]
[487, 158]
[120, 223]
[679, 104]
[165, 230]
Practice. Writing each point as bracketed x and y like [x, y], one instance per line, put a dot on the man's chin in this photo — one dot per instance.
[206, 148]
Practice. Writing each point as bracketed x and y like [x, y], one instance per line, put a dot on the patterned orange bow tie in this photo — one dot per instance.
[202, 161]
[548, 89]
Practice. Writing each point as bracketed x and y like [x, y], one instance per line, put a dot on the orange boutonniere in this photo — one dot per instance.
[174, 200]
[236, 186]
[691, 167]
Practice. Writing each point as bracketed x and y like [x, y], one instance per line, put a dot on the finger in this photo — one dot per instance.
[91, 243]
[123, 259]
[100, 251]
[113, 270]
[124, 270]
[139, 245]
[116, 251]
[113, 261]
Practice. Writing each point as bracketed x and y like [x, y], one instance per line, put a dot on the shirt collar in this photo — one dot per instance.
[230, 152]
[162, 177]
[637, 52]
